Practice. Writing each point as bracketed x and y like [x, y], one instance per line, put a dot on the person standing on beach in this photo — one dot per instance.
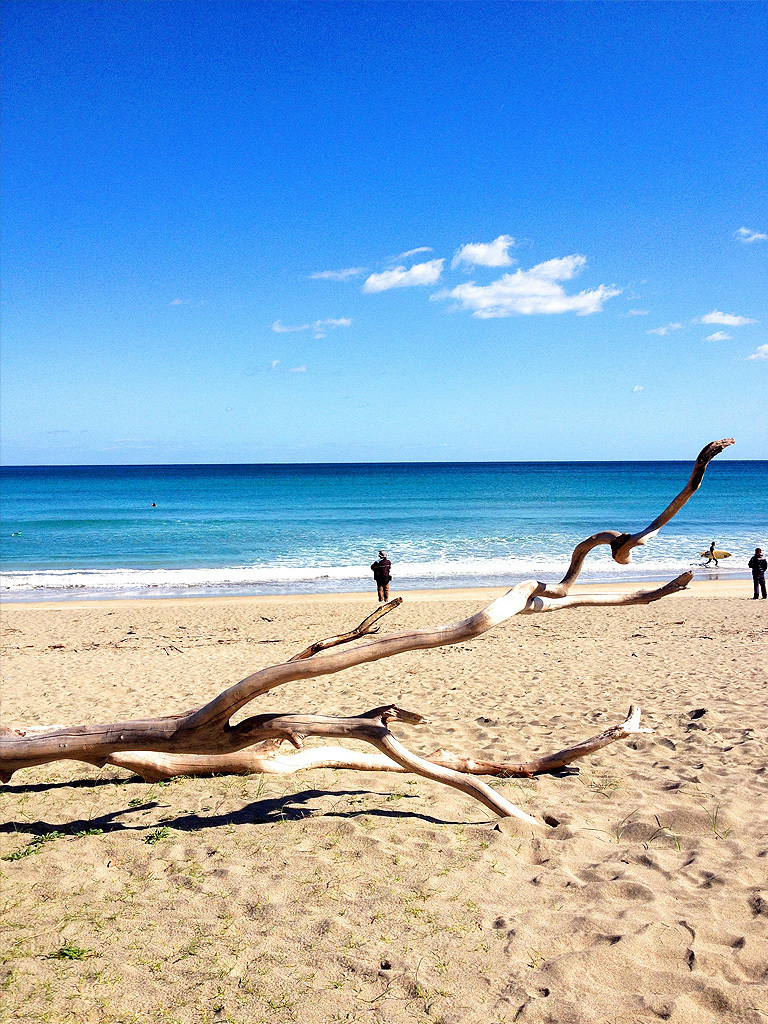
[381, 575]
[711, 554]
[758, 565]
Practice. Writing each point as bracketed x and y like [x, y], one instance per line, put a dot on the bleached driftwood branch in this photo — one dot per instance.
[622, 543]
[203, 740]
[267, 759]
[366, 628]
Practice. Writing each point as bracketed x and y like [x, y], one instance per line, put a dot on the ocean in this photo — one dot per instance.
[170, 531]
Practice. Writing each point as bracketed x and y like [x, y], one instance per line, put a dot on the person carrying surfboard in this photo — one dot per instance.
[711, 554]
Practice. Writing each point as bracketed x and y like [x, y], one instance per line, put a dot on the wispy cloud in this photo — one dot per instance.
[719, 336]
[663, 331]
[638, 387]
[280, 328]
[319, 328]
[337, 275]
[485, 254]
[277, 367]
[747, 235]
[411, 252]
[726, 319]
[761, 352]
[531, 291]
[636, 312]
[399, 277]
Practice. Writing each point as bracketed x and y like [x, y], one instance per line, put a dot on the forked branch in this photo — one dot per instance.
[622, 543]
[365, 628]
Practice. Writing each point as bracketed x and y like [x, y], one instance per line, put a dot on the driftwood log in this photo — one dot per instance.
[203, 741]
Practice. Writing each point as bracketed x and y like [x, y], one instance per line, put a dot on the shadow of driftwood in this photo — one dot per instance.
[44, 787]
[293, 807]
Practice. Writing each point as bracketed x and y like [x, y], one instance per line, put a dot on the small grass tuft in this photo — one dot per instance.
[157, 835]
[69, 952]
[666, 832]
[35, 846]
[721, 831]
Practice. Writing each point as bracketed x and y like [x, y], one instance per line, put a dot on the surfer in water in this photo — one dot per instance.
[711, 557]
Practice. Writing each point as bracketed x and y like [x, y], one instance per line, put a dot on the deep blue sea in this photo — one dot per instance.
[92, 531]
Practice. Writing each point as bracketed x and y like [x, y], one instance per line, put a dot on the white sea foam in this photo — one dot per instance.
[283, 578]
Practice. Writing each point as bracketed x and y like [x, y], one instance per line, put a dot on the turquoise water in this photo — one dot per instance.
[92, 531]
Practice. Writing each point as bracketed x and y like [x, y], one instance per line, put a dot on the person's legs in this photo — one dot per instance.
[762, 586]
[386, 591]
[381, 588]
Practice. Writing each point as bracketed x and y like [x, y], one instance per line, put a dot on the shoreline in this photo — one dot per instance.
[731, 587]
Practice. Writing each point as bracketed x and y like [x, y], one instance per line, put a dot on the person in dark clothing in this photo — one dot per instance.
[381, 573]
[758, 565]
[711, 554]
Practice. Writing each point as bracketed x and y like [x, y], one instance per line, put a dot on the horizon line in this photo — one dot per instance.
[383, 462]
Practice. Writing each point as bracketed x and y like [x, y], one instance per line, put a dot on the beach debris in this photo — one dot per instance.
[621, 544]
[204, 740]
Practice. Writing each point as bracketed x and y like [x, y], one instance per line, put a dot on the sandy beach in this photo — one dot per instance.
[348, 896]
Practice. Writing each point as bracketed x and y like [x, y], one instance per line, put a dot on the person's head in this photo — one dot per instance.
[758, 551]
[382, 554]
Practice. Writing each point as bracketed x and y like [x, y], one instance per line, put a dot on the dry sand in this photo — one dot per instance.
[338, 896]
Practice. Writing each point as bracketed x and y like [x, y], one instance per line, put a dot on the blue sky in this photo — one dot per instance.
[297, 232]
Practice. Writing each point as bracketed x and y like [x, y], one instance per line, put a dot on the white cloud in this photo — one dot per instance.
[636, 312]
[280, 328]
[485, 254]
[761, 352]
[399, 277]
[719, 336]
[638, 387]
[177, 302]
[319, 328]
[746, 235]
[412, 252]
[531, 291]
[727, 319]
[337, 275]
[663, 331]
[275, 365]
[342, 321]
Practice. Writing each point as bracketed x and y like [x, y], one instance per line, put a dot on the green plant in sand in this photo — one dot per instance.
[69, 952]
[720, 831]
[662, 831]
[157, 835]
[35, 846]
